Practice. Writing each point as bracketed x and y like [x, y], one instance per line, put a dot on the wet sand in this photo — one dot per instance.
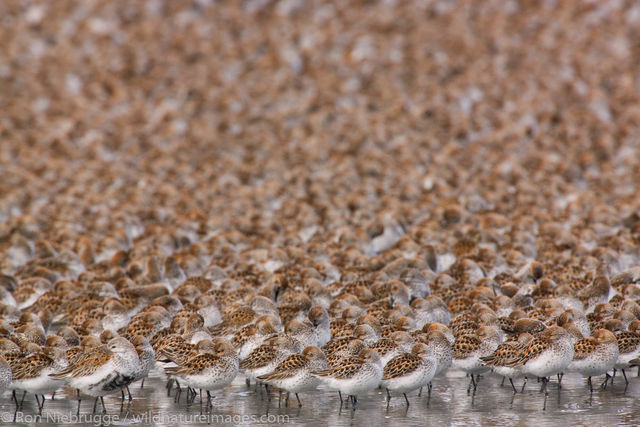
[449, 405]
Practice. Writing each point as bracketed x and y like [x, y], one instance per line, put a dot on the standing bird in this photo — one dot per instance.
[294, 374]
[595, 355]
[146, 356]
[102, 370]
[469, 348]
[354, 375]
[208, 371]
[505, 354]
[547, 354]
[31, 374]
[409, 371]
[628, 350]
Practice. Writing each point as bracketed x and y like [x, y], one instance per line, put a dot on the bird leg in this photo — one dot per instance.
[603, 386]
[513, 386]
[178, 392]
[406, 399]
[475, 385]
[299, 403]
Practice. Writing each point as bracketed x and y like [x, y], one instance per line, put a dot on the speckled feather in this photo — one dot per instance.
[336, 345]
[505, 353]
[31, 366]
[465, 345]
[627, 341]
[87, 363]
[383, 346]
[231, 322]
[531, 351]
[584, 347]
[195, 365]
[259, 357]
[175, 350]
[243, 335]
[340, 328]
[401, 365]
[287, 368]
[345, 370]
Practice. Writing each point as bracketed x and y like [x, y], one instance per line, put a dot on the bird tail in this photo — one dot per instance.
[323, 373]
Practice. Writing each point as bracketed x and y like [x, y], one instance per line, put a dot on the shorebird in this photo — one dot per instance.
[628, 350]
[267, 356]
[505, 354]
[295, 373]
[146, 356]
[31, 373]
[102, 370]
[468, 349]
[547, 354]
[208, 371]
[354, 375]
[409, 371]
[595, 355]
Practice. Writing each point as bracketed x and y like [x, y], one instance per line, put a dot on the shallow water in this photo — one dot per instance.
[449, 404]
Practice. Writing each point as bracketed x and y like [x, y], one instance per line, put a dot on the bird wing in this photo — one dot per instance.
[86, 364]
[347, 368]
[31, 366]
[465, 345]
[287, 368]
[583, 347]
[401, 365]
[531, 351]
[627, 341]
[259, 357]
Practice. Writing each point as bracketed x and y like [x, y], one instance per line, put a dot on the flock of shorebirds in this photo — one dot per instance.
[294, 329]
[316, 195]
